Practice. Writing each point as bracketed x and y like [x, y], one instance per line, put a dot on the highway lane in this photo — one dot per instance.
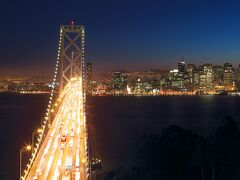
[63, 153]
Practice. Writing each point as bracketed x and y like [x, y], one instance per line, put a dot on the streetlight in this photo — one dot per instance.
[25, 148]
[38, 131]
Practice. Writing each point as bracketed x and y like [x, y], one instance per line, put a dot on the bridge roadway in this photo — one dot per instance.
[63, 153]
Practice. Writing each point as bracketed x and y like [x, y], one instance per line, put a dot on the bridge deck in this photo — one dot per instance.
[63, 153]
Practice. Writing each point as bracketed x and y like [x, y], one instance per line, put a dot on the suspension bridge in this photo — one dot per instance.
[61, 147]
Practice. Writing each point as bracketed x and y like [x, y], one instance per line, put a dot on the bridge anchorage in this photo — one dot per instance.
[61, 148]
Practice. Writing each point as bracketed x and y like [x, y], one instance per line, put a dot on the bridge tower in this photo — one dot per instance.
[71, 51]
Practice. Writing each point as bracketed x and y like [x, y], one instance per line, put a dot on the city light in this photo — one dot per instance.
[28, 147]
[186, 79]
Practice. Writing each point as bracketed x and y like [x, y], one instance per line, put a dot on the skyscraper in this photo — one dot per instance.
[117, 80]
[138, 89]
[189, 76]
[119, 83]
[181, 72]
[195, 78]
[217, 75]
[206, 77]
[176, 81]
[228, 76]
[190, 68]
[181, 67]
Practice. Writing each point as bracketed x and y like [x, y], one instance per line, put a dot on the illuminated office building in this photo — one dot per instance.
[206, 77]
[117, 80]
[217, 76]
[181, 67]
[196, 78]
[228, 76]
[176, 79]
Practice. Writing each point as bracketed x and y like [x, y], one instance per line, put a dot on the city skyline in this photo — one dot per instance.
[183, 79]
[138, 34]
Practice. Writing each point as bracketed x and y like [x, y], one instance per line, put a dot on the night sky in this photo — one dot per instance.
[122, 34]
